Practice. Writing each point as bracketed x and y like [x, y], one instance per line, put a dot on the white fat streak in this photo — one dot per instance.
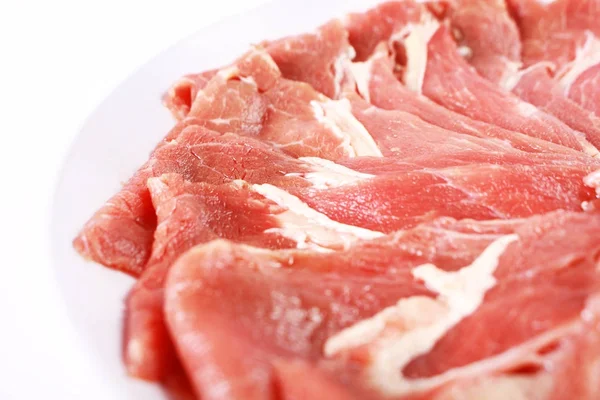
[593, 180]
[337, 116]
[327, 174]
[361, 71]
[425, 320]
[586, 57]
[416, 51]
[308, 227]
[341, 64]
[513, 73]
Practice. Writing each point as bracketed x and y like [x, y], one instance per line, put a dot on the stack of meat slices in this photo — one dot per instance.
[402, 204]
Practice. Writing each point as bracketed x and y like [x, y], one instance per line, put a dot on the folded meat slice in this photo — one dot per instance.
[553, 32]
[181, 95]
[377, 83]
[316, 58]
[394, 331]
[566, 34]
[119, 235]
[436, 69]
[251, 98]
[193, 213]
[366, 30]
[489, 39]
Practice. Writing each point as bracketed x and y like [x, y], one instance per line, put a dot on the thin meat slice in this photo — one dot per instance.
[317, 58]
[479, 191]
[193, 213]
[487, 36]
[366, 30]
[436, 69]
[119, 235]
[181, 94]
[555, 31]
[521, 308]
[489, 39]
[377, 83]
[536, 86]
[401, 134]
[252, 99]
[585, 90]
[294, 300]
[302, 306]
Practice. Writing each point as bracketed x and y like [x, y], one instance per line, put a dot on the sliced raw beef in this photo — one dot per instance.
[120, 234]
[318, 58]
[367, 30]
[555, 31]
[445, 242]
[489, 39]
[193, 213]
[436, 69]
[585, 90]
[251, 99]
[479, 191]
[181, 95]
[536, 86]
[401, 134]
[566, 34]
[359, 329]
[377, 83]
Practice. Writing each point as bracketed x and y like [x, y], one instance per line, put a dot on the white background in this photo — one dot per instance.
[58, 60]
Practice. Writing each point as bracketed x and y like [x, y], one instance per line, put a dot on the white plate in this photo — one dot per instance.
[117, 138]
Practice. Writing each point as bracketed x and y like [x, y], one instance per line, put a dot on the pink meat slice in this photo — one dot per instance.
[537, 87]
[553, 32]
[315, 58]
[490, 38]
[120, 234]
[366, 30]
[181, 95]
[381, 87]
[451, 82]
[585, 91]
[401, 134]
[188, 214]
[484, 191]
[252, 99]
[332, 287]
[541, 311]
[293, 301]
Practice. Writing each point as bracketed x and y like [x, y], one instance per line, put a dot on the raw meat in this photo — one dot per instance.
[566, 34]
[195, 213]
[377, 83]
[436, 69]
[317, 58]
[299, 305]
[553, 32]
[120, 234]
[489, 38]
[181, 95]
[335, 212]
[252, 99]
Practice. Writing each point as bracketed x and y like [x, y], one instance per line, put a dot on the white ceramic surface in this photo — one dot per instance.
[116, 139]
